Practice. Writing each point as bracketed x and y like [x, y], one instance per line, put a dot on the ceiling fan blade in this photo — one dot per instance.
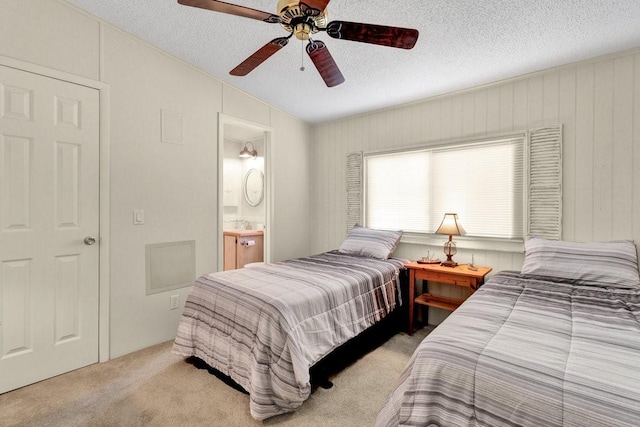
[313, 7]
[404, 38]
[325, 64]
[259, 56]
[232, 9]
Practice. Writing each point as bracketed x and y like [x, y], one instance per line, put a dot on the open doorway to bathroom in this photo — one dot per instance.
[243, 192]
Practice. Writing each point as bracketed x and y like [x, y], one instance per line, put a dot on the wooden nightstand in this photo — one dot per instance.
[459, 276]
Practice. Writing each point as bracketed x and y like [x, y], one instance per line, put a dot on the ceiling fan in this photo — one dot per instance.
[302, 19]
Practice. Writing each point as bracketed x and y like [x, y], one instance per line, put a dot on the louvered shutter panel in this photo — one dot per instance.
[354, 189]
[545, 182]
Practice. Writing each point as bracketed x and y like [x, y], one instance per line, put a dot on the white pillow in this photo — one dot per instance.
[370, 243]
[608, 264]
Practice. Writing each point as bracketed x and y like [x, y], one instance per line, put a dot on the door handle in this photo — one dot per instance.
[89, 240]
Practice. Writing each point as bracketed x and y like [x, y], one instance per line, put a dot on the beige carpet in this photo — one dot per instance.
[155, 387]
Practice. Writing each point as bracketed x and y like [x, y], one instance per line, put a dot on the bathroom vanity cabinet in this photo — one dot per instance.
[242, 247]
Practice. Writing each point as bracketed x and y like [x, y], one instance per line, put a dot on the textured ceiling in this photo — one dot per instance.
[462, 44]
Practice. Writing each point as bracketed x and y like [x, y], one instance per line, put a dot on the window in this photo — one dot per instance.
[482, 182]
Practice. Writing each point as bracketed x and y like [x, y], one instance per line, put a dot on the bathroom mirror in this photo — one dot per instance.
[254, 187]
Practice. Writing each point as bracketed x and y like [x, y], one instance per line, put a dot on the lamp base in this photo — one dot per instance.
[449, 263]
[449, 250]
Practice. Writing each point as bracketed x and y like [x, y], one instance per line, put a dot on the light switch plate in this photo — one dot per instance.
[138, 217]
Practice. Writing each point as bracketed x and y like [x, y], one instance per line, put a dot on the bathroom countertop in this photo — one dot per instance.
[243, 233]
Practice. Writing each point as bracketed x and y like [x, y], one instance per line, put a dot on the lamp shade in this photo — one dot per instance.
[451, 226]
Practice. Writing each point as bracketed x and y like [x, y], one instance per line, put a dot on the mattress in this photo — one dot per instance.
[265, 326]
[529, 351]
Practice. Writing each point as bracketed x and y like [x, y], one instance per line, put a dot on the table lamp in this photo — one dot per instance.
[452, 227]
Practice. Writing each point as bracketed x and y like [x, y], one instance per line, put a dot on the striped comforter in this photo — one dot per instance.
[528, 351]
[266, 325]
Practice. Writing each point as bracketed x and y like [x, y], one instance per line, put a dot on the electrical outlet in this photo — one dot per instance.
[173, 302]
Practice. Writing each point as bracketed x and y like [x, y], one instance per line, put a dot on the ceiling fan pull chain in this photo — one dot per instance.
[302, 55]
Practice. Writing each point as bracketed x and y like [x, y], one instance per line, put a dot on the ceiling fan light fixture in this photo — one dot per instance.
[295, 18]
[302, 31]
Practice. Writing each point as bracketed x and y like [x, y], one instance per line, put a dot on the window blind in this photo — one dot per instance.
[486, 183]
[397, 191]
[483, 184]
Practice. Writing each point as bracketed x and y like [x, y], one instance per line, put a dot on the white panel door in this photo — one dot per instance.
[49, 197]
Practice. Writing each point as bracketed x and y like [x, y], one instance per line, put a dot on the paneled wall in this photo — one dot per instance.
[597, 101]
[175, 184]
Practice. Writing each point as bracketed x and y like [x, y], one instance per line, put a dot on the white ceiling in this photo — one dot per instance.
[462, 44]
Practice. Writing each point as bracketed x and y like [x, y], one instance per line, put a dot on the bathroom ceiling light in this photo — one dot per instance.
[245, 153]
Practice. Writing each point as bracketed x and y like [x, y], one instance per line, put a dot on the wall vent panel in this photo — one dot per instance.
[170, 265]
[171, 127]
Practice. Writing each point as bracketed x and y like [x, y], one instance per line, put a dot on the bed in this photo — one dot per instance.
[265, 326]
[557, 344]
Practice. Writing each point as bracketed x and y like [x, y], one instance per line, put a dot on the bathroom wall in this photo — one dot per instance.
[238, 213]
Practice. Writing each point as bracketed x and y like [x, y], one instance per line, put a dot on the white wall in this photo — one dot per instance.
[43, 32]
[292, 230]
[232, 185]
[598, 102]
[176, 185]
